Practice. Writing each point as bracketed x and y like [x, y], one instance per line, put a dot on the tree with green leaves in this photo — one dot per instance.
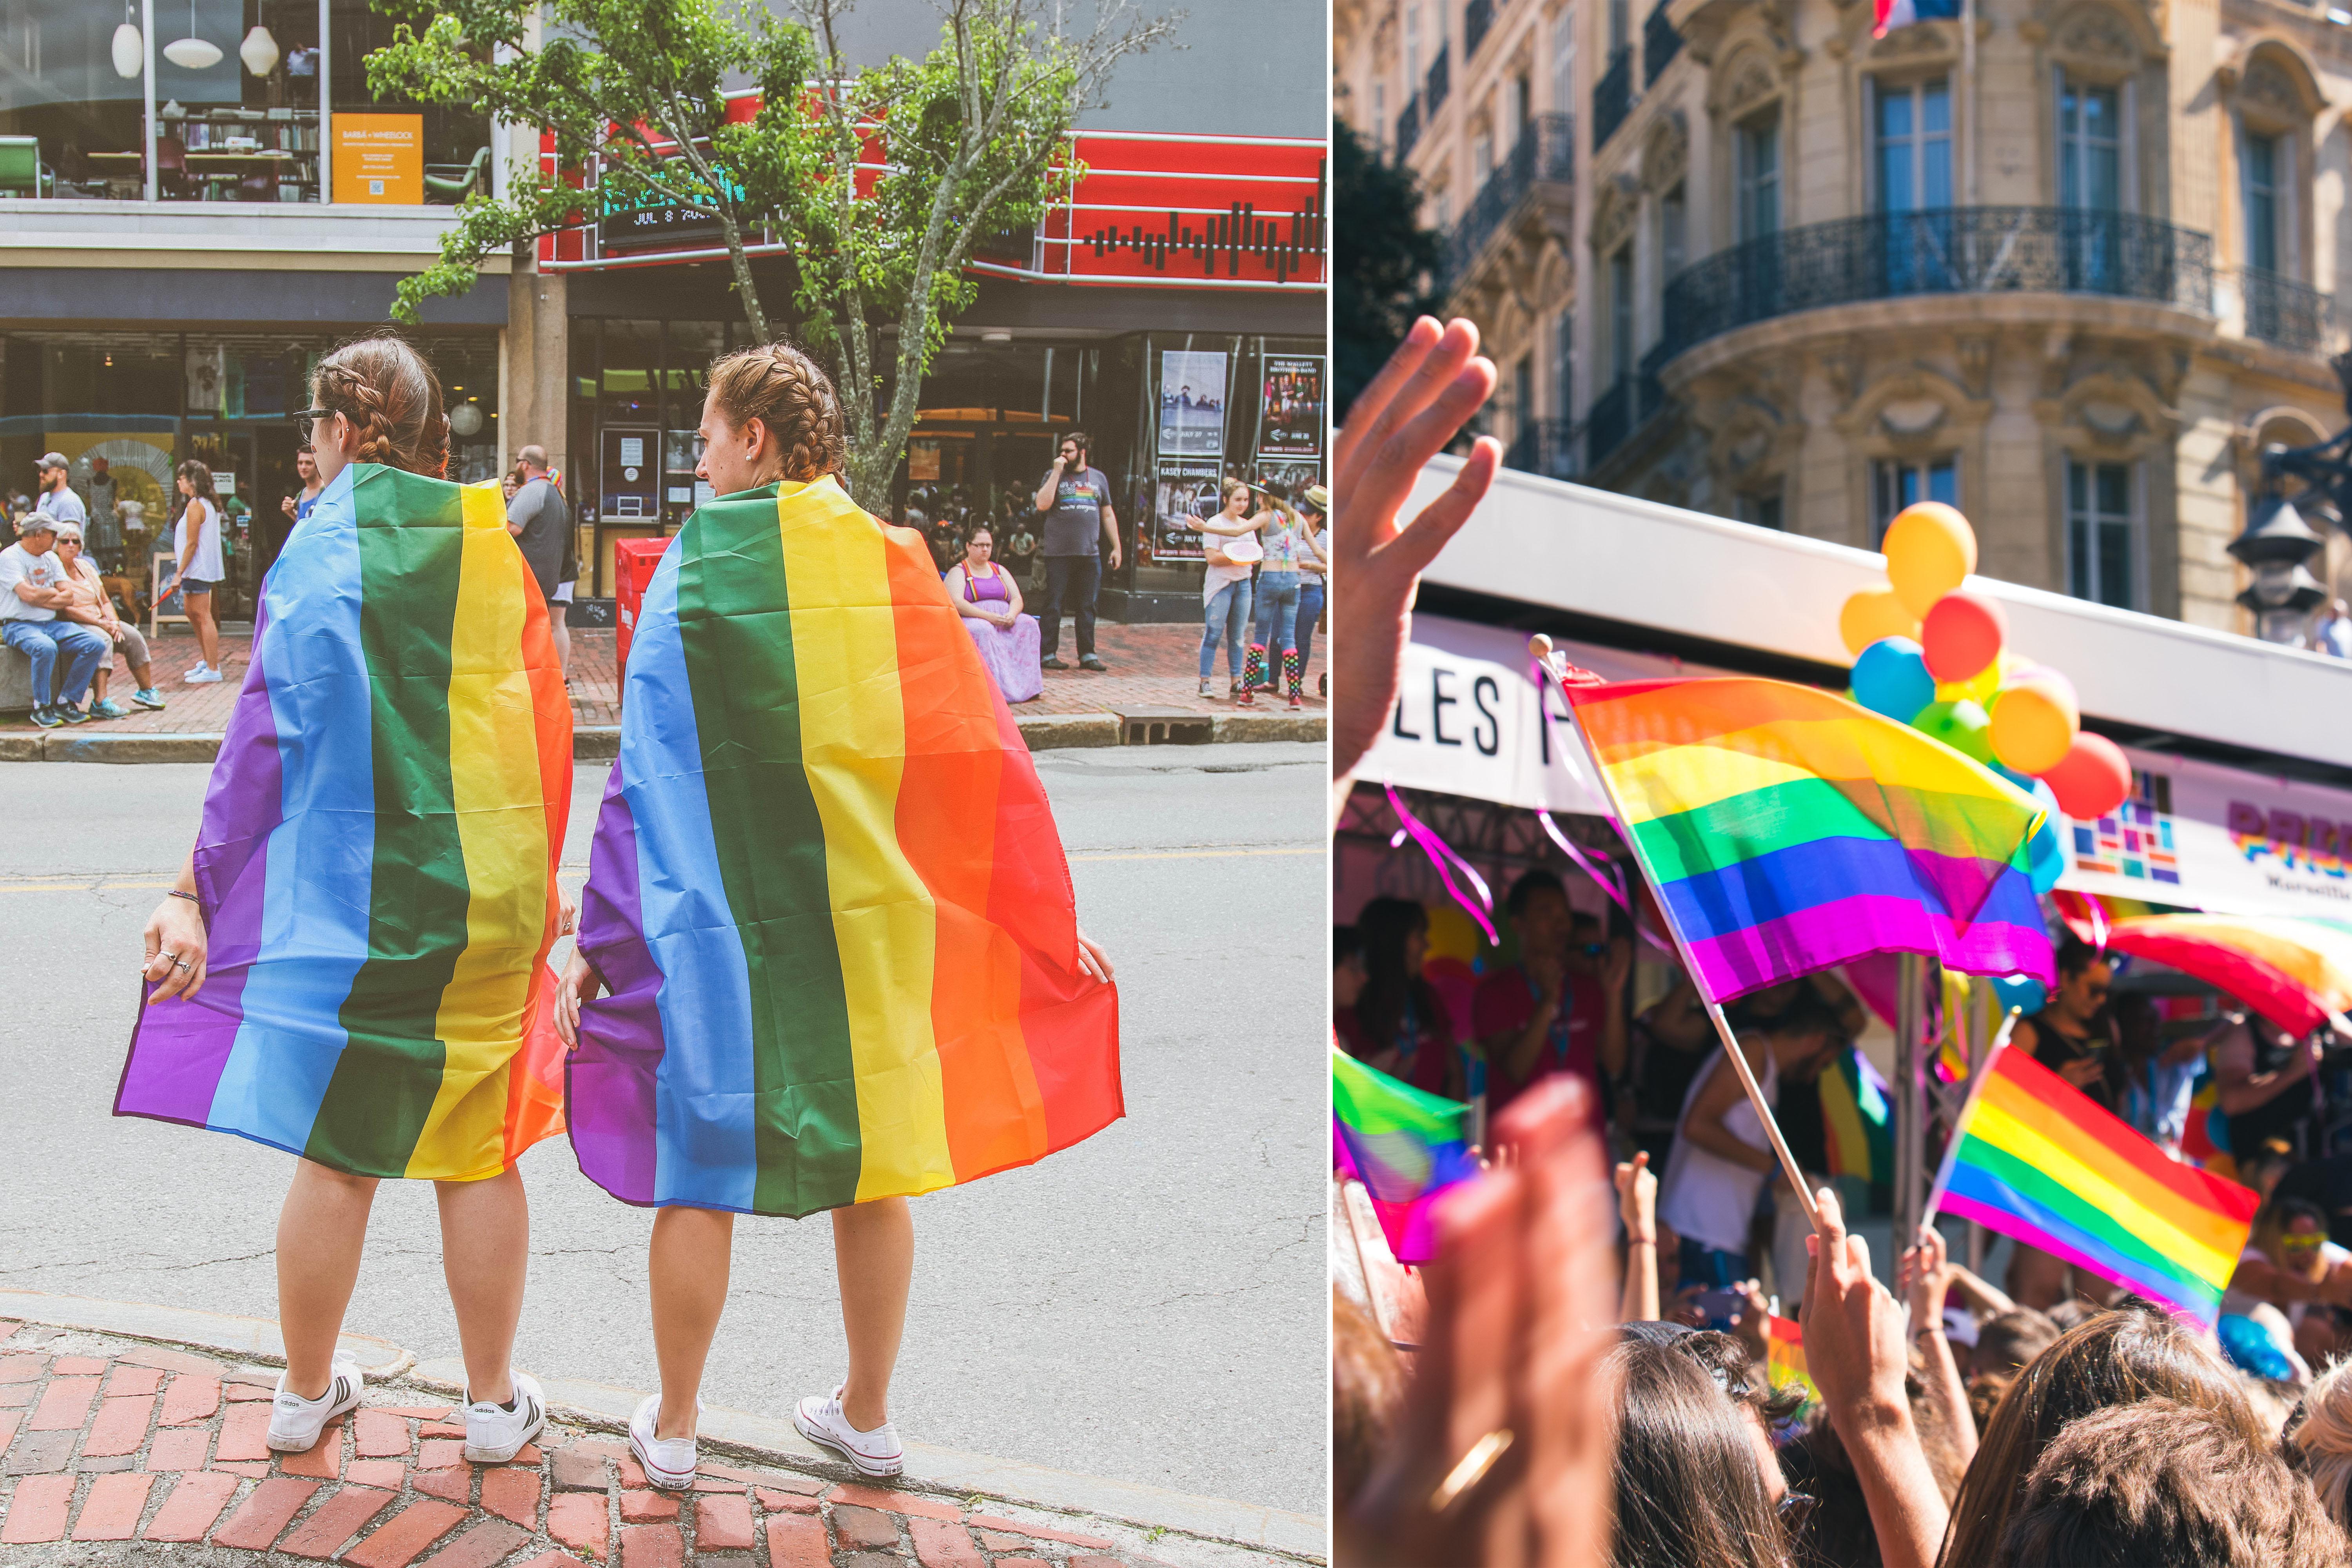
[876, 181]
[1382, 261]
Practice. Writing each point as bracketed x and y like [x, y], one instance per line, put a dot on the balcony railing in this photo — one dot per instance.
[1625, 408]
[1408, 128]
[1613, 97]
[1660, 44]
[2282, 311]
[1432, 91]
[1546, 446]
[1546, 151]
[1945, 250]
[1476, 18]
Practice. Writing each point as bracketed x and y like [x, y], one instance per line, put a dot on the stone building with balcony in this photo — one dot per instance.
[2073, 279]
[1479, 101]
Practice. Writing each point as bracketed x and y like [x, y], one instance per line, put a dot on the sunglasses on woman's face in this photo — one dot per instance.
[306, 424]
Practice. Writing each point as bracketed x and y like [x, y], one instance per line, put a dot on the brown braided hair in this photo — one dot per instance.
[393, 399]
[783, 388]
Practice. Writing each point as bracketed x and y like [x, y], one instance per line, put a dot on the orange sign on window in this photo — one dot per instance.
[380, 158]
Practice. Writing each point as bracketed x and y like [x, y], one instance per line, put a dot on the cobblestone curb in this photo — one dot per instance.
[105, 1440]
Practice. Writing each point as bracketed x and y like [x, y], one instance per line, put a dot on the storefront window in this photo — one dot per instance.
[69, 119]
[388, 150]
[224, 131]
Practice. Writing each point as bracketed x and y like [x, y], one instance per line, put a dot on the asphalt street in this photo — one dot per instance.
[1150, 1305]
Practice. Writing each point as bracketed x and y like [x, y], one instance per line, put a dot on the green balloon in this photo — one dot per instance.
[1963, 726]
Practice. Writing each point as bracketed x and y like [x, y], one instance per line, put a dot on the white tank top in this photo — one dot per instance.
[1706, 1198]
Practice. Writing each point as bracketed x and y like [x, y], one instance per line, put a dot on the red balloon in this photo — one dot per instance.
[1962, 634]
[2093, 780]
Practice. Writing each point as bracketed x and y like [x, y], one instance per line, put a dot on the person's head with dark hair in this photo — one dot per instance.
[1348, 972]
[2005, 1342]
[1530, 883]
[1540, 919]
[1395, 933]
[2163, 1481]
[1366, 1391]
[2083, 980]
[2262, 1166]
[1690, 1491]
[2117, 1358]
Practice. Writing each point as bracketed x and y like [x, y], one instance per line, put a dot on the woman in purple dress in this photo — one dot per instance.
[991, 602]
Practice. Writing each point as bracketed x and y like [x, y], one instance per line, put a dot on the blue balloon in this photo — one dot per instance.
[1891, 677]
[2022, 992]
[2022, 781]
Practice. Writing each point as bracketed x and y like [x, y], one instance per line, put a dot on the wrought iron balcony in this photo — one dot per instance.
[1945, 250]
[1476, 18]
[1433, 90]
[1545, 152]
[1408, 128]
[1546, 446]
[1660, 45]
[2282, 311]
[1628, 405]
[1613, 97]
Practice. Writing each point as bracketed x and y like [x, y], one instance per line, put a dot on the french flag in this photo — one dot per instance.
[1894, 13]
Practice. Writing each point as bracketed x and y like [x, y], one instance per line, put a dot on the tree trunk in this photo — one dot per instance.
[754, 317]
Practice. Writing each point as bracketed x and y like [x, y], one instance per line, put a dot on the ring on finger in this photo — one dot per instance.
[1470, 1469]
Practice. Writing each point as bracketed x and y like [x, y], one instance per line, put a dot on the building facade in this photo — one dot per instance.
[183, 241]
[2073, 274]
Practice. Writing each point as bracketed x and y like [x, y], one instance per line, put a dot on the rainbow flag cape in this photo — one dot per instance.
[2294, 970]
[377, 857]
[1788, 829]
[825, 891]
[1405, 1145]
[2036, 1159]
[1784, 1360]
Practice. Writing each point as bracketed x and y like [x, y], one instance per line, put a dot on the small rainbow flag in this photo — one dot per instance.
[377, 856]
[1854, 1116]
[825, 892]
[2036, 1159]
[1406, 1146]
[1788, 829]
[1784, 1360]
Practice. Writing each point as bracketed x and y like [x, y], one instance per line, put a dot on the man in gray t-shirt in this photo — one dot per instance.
[1081, 543]
[537, 517]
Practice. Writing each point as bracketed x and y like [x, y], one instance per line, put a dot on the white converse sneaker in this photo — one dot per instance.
[875, 1453]
[200, 676]
[668, 1462]
[295, 1422]
[495, 1433]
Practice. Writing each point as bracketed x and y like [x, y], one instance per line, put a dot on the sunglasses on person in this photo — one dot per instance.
[2305, 1244]
[306, 422]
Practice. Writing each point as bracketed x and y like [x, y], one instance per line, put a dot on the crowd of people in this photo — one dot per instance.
[1573, 1380]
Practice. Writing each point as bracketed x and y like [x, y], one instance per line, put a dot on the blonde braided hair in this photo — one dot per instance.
[783, 388]
[393, 399]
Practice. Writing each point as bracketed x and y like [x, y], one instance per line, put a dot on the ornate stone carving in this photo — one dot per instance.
[1920, 38]
[2265, 86]
[1974, 353]
[1752, 82]
[2097, 33]
[1667, 155]
[1842, 365]
[1612, 219]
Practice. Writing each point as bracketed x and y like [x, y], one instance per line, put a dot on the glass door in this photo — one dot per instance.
[1915, 187]
[2090, 183]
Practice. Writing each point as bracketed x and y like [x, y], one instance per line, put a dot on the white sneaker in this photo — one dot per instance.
[668, 1462]
[200, 675]
[495, 1433]
[196, 669]
[875, 1453]
[295, 1422]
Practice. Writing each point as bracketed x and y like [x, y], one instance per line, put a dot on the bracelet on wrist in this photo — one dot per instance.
[190, 897]
[1642, 1240]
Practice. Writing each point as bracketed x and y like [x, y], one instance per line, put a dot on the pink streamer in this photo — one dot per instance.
[1439, 852]
[1613, 882]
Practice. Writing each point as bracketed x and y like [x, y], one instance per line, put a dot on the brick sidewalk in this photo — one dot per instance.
[1150, 667]
[115, 1440]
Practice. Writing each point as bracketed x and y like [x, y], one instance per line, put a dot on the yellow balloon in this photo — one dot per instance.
[2033, 725]
[1453, 934]
[1868, 616]
[1930, 549]
[1978, 689]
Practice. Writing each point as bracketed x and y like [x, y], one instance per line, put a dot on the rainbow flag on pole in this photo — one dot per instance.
[1787, 829]
[825, 891]
[2036, 1159]
[1405, 1145]
[376, 860]
[1784, 1360]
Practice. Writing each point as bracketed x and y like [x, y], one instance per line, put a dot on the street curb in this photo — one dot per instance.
[602, 742]
[254, 1339]
[950, 1472]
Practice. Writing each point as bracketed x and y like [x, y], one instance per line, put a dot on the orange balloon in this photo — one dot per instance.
[2093, 780]
[1930, 550]
[1868, 616]
[1962, 635]
[2034, 722]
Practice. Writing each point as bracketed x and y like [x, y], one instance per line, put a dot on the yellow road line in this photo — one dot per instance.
[74, 887]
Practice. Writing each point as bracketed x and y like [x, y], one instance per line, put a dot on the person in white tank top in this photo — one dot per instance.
[1722, 1157]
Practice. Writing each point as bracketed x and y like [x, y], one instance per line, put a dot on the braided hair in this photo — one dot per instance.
[393, 399]
[783, 388]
